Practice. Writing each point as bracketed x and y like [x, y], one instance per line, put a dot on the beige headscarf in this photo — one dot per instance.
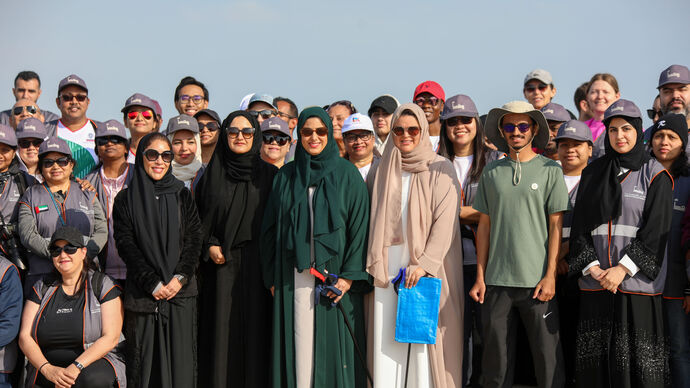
[386, 215]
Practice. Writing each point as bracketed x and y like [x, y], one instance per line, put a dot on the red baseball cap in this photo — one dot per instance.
[430, 87]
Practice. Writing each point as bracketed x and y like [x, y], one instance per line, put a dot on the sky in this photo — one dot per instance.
[319, 51]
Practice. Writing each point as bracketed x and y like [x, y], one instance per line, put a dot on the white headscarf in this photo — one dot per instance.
[187, 173]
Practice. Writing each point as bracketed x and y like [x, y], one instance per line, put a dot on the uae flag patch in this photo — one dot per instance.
[41, 209]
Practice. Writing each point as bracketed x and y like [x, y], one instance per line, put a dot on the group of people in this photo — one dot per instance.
[264, 249]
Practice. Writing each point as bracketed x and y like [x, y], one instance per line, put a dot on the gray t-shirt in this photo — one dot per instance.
[519, 218]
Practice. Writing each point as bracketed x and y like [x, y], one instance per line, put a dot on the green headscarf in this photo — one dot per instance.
[313, 171]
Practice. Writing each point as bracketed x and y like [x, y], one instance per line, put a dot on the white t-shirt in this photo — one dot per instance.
[364, 171]
[462, 166]
[571, 181]
[82, 143]
[434, 142]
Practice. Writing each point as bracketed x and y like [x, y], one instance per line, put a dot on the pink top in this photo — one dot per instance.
[596, 126]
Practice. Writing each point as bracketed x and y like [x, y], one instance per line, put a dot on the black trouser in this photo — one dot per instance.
[100, 374]
[472, 355]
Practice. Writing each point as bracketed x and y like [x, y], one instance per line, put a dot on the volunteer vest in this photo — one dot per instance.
[92, 329]
[611, 239]
[9, 197]
[674, 263]
[76, 211]
[8, 353]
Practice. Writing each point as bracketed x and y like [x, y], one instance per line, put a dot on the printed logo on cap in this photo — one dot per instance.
[69, 79]
[548, 111]
[135, 100]
[53, 145]
[455, 106]
[355, 120]
[570, 129]
[274, 125]
[2, 134]
[111, 128]
[661, 123]
[618, 108]
[30, 126]
[183, 122]
[672, 75]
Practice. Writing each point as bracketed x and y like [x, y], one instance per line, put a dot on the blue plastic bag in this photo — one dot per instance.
[417, 316]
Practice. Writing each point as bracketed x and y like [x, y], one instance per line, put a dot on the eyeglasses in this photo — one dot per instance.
[510, 128]
[307, 132]
[70, 97]
[26, 143]
[101, 141]
[211, 126]
[266, 113]
[532, 88]
[32, 109]
[453, 121]
[431, 100]
[153, 155]
[280, 139]
[62, 162]
[247, 133]
[412, 131]
[286, 115]
[352, 137]
[68, 249]
[147, 114]
[196, 99]
[651, 113]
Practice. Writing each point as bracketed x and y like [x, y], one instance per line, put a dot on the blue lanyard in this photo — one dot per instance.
[62, 220]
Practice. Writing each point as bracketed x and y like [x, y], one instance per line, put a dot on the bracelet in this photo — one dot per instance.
[44, 364]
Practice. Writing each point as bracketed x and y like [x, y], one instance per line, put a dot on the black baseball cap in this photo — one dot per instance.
[386, 102]
[70, 234]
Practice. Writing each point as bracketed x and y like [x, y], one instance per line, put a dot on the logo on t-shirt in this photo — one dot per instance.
[534, 186]
[64, 311]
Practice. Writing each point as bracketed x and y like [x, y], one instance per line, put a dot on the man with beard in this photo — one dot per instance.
[555, 115]
[674, 92]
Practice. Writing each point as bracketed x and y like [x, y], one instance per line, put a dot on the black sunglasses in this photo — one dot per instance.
[70, 97]
[26, 143]
[69, 249]
[266, 113]
[101, 141]
[281, 140]
[453, 121]
[62, 162]
[651, 113]
[211, 126]
[532, 88]
[247, 133]
[153, 155]
[32, 109]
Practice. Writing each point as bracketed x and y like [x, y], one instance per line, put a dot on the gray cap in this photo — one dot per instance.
[540, 75]
[70, 234]
[275, 124]
[622, 108]
[209, 112]
[555, 112]
[182, 122]
[7, 135]
[72, 79]
[138, 99]
[111, 128]
[54, 144]
[459, 105]
[674, 74]
[31, 127]
[267, 98]
[576, 130]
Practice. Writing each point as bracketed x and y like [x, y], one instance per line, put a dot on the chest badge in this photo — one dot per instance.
[41, 209]
[534, 186]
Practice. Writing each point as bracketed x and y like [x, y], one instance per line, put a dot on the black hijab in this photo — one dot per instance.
[155, 212]
[599, 194]
[233, 189]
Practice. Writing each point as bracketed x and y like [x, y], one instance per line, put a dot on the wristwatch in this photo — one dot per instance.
[78, 365]
[182, 279]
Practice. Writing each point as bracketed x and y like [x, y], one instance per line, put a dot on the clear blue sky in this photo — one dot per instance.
[319, 51]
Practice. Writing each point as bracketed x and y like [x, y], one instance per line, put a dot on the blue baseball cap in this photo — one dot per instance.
[459, 105]
[555, 112]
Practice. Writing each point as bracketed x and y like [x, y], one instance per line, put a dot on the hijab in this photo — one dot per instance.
[599, 194]
[313, 171]
[154, 210]
[233, 188]
[386, 206]
[187, 172]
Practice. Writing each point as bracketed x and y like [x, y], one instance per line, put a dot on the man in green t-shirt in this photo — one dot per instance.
[521, 199]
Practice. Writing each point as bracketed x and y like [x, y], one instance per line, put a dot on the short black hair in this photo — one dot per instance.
[27, 75]
[580, 94]
[293, 107]
[189, 80]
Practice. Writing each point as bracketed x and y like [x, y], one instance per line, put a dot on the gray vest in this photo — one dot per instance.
[92, 326]
[8, 353]
[676, 279]
[612, 239]
[8, 200]
[77, 211]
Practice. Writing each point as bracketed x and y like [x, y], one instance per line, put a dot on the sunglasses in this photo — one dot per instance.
[352, 137]
[266, 113]
[26, 143]
[431, 100]
[247, 133]
[307, 132]
[281, 140]
[70, 97]
[211, 126]
[147, 114]
[453, 121]
[101, 141]
[651, 113]
[286, 115]
[62, 162]
[532, 88]
[152, 155]
[32, 109]
[68, 249]
[412, 131]
[510, 128]
[196, 99]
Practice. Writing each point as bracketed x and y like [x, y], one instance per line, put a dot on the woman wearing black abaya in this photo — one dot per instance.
[234, 304]
[158, 235]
